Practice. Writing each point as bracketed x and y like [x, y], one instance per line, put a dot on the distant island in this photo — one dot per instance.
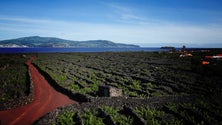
[37, 41]
[167, 47]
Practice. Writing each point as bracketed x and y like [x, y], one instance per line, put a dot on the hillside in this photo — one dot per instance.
[37, 41]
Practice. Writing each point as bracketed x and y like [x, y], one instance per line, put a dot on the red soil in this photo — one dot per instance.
[46, 99]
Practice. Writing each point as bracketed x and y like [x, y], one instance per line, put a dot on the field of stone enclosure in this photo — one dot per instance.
[157, 88]
[151, 87]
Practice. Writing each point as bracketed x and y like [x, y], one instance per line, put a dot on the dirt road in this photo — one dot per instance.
[46, 99]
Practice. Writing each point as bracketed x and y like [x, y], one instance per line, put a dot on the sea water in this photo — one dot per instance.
[66, 50]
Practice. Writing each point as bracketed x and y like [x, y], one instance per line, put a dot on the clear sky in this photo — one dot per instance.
[148, 23]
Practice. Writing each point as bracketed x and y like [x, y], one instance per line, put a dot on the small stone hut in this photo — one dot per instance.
[109, 91]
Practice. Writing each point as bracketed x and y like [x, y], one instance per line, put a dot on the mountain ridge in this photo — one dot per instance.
[37, 41]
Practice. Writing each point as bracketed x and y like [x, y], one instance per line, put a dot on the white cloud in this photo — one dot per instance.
[141, 33]
[124, 13]
[24, 20]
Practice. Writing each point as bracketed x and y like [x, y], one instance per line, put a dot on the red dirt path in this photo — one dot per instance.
[46, 99]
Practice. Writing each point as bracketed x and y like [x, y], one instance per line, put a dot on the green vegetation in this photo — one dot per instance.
[120, 119]
[196, 113]
[14, 78]
[66, 118]
[88, 117]
[150, 115]
[91, 118]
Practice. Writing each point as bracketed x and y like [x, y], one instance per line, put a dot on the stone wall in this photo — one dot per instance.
[108, 91]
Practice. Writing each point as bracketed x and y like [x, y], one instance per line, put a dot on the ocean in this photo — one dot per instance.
[66, 50]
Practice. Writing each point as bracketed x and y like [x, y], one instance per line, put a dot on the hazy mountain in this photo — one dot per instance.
[36, 41]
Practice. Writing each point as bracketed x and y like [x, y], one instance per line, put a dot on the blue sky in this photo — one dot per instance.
[148, 23]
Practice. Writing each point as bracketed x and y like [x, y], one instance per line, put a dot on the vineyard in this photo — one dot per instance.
[137, 74]
[14, 80]
[140, 75]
